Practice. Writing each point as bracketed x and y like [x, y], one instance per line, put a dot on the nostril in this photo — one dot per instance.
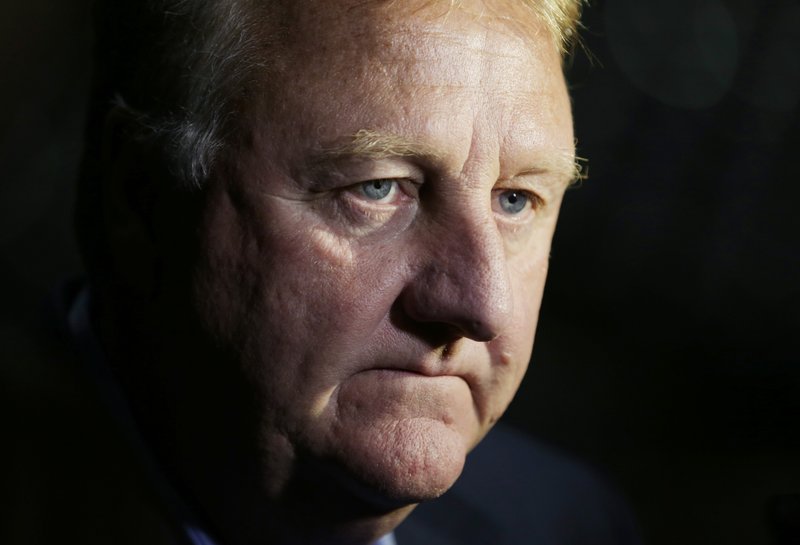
[437, 327]
[433, 333]
[479, 331]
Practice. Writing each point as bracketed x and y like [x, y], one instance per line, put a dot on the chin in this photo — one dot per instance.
[405, 462]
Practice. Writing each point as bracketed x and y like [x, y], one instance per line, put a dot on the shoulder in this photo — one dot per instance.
[516, 489]
[68, 475]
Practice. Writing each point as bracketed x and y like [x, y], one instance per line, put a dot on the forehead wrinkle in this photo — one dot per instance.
[510, 15]
[440, 43]
[409, 41]
[484, 154]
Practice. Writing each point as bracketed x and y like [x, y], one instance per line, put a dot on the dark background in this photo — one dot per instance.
[667, 354]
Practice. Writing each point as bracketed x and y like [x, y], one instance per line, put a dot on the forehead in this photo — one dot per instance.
[346, 24]
[419, 68]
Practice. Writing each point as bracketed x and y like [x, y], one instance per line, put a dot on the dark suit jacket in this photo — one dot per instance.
[70, 475]
[518, 491]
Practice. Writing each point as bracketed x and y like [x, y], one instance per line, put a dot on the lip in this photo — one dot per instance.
[410, 378]
[401, 374]
[403, 354]
[409, 372]
[427, 367]
[382, 393]
[419, 360]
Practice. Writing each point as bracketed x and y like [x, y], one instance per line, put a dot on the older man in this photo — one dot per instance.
[317, 235]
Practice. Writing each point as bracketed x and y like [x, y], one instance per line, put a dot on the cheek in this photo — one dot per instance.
[336, 253]
[355, 282]
[527, 280]
[528, 273]
[288, 291]
[531, 300]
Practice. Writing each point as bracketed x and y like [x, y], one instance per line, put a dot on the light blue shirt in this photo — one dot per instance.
[81, 328]
[197, 536]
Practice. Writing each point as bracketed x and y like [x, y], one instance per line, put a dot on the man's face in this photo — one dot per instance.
[376, 254]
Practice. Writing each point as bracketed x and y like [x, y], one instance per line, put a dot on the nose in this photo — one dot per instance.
[462, 287]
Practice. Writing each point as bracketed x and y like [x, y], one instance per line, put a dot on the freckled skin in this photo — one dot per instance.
[379, 342]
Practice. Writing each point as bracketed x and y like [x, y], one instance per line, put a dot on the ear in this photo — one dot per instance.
[135, 177]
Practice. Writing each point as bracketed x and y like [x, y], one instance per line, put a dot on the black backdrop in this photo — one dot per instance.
[667, 354]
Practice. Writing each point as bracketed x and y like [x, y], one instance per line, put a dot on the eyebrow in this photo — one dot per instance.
[564, 165]
[368, 144]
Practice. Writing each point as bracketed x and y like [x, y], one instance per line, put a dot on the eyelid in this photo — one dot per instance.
[349, 171]
[538, 185]
[536, 200]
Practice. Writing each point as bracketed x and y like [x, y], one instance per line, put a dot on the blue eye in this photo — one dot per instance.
[377, 190]
[513, 202]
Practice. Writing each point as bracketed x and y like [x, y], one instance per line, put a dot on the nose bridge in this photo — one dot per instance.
[465, 282]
